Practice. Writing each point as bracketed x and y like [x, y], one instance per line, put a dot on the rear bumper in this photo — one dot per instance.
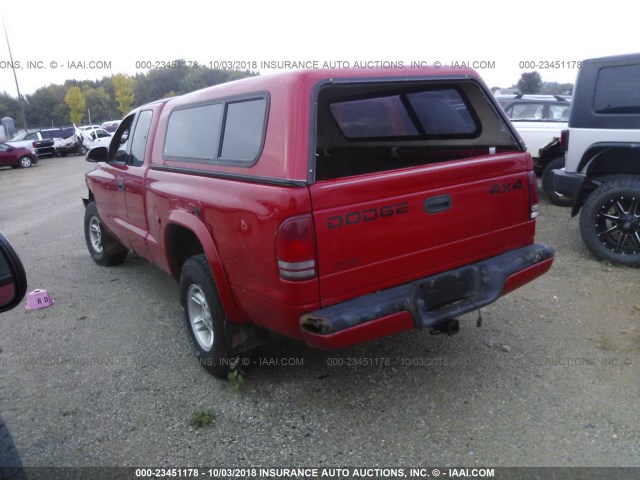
[567, 183]
[427, 302]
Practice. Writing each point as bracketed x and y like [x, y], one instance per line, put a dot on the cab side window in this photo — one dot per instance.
[120, 143]
[140, 135]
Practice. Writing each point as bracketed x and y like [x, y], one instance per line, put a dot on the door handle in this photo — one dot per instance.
[438, 204]
[121, 184]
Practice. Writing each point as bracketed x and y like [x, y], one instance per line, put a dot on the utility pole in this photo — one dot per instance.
[15, 77]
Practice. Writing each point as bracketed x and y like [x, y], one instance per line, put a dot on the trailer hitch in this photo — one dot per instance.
[450, 327]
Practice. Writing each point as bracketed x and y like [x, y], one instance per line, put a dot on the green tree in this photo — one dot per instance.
[530, 82]
[158, 83]
[101, 106]
[46, 107]
[9, 106]
[123, 87]
[555, 88]
[77, 104]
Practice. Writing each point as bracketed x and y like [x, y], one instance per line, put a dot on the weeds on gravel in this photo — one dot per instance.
[236, 375]
[607, 265]
[202, 419]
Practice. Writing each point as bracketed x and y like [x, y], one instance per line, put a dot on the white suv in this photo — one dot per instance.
[539, 119]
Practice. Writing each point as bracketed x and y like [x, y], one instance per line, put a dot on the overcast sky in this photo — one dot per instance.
[45, 37]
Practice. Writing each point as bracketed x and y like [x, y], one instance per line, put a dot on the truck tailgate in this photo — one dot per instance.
[378, 230]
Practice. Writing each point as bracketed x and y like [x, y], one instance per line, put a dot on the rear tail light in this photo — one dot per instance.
[533, 195]
[295, 248]
[564, 140]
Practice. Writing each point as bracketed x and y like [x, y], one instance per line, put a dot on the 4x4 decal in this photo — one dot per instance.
[499, 188]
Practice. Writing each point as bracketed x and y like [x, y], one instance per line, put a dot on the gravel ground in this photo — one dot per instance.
[105, 377]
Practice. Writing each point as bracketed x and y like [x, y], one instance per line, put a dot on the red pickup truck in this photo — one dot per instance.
[333, 206]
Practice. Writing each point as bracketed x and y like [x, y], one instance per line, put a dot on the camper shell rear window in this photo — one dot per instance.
[364, 128]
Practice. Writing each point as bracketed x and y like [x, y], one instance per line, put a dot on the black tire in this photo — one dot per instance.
[82, 150]
[547, 184]
[10, 463]
[204, 316]
[103, 248]
[610, 221]
[25, 162]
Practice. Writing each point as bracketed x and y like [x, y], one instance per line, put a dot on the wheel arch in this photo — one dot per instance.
[602, 159]
[90, 198]
[185, 236]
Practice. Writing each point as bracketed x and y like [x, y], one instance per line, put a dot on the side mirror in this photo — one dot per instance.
[98, 154]
[10, 149]
[13, 279]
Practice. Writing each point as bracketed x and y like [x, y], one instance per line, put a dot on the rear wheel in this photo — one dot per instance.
[104, 249]
[25, 162]
[610, 221]
[204, 316]
[547, 183]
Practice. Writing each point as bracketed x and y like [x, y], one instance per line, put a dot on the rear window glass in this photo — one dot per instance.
[442, 112]
[381, 125]
[617, 90]
[374, 117]
[194, 132]
[526, 111]
[243, 129]
[439, 113]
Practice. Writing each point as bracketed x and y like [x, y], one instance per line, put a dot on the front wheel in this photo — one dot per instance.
[104, 249]
[82, 150]
[547, 183]
[610, 221]
[204, 316]
[25, 162]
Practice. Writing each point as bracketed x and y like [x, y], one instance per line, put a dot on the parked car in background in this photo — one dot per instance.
[97, 137]
[16, 156]
[34, 141]
[66, 140]
[60, 141]
[88, 127]
[111, 126]
[540, 119]
[602, 172]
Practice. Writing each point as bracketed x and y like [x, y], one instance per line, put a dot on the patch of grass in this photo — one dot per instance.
[607, 265]
[202, 419]
[236, 376]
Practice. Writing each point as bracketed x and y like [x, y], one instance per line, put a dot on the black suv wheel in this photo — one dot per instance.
[610, 221]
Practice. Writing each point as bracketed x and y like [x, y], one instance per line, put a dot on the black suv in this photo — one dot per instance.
[602, 172]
